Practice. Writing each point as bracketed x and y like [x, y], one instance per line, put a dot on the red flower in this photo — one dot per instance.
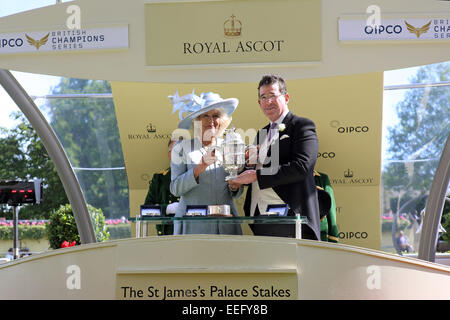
[66, 244]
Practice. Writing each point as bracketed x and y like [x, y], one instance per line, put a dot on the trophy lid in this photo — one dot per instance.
[232, 136]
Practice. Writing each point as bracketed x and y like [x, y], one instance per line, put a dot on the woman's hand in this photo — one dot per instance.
[207, 159]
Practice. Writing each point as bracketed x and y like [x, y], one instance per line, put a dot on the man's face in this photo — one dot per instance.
[272, 102]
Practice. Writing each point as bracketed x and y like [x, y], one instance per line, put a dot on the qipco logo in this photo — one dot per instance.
[12, 42]
[357, 129]
[380, 29]
[353, 235]
[326, 155]
[348, 129]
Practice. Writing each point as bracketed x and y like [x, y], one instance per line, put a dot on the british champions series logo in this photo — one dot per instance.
[37, 43]
[397, 28]
[418, 31]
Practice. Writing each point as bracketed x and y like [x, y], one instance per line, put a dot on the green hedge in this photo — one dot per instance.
[446, 225]
[386, 225]
[25, 232]
[118, 231]
[62, 226]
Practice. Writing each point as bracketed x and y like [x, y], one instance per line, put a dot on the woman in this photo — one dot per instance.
[198, 176]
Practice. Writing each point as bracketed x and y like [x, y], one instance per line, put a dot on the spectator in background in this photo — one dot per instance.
[10, 254]
[403, 243]
[159, 194]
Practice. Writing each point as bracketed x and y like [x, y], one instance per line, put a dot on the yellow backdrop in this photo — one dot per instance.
[347, 111]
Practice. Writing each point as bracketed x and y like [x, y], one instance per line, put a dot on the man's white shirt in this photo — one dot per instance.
[262, 198]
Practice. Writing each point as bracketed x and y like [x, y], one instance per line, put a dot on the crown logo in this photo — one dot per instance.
[232, 27]
[151, 128]
[348, 173]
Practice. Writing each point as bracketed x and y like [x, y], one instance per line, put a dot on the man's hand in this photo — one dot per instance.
[251, 156]
[233, 186]
[245, 177]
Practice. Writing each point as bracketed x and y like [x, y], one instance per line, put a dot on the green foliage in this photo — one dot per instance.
[87, 128]
[445, 221]
[423, 126]
[119, 231]
[39, 231]
[62, 226]
[386, 225]
[25, 232]
[415, 144]
[23, 157]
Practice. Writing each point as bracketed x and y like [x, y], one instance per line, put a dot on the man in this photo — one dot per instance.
[291, 145]
[159, 194]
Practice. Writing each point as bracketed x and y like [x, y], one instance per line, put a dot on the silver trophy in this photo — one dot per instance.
[233, 151]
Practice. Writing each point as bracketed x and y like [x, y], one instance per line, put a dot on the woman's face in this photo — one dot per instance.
[211, 122]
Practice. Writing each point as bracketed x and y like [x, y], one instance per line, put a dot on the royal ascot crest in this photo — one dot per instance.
[350, 179]
[151, 128]
[232, 32]
[232, 27]
[150, 133]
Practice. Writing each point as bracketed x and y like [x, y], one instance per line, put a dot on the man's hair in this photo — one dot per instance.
[272, 79]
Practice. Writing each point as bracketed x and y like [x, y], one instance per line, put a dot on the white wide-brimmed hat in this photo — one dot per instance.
[191, 106]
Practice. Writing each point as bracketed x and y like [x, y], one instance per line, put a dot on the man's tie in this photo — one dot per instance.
[272, 127]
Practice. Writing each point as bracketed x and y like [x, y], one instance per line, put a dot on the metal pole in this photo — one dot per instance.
[56, 153]
[15, 233]
[433, 209]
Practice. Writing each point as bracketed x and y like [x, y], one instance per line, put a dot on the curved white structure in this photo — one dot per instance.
[221, 267]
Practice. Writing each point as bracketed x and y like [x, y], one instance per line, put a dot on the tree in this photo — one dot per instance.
[23, 157]
[416, 143]
[418, 140]
[87, 129]
[62, 226]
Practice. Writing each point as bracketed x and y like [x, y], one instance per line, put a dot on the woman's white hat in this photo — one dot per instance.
[191, 106]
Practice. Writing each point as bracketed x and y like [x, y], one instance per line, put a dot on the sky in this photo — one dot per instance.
[33, 84]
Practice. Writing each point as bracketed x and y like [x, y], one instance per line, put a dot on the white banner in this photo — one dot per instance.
[392, 29]
[57, 40]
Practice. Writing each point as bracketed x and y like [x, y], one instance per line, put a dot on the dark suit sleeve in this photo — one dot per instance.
[296, 158]
[152, 194]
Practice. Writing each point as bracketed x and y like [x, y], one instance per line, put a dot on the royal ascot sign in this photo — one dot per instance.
[429, 28]
[229, 32]
[64, 39]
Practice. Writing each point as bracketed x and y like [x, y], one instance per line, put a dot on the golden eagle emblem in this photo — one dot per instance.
[37, 43]
[418, 31]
